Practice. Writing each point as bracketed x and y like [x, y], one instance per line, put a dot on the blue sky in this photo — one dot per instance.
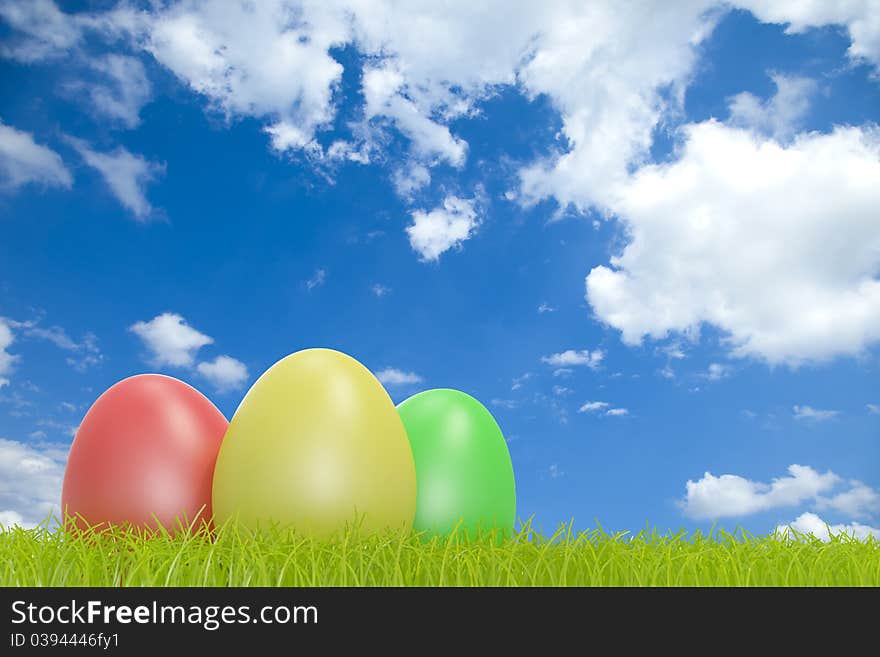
[653, 254]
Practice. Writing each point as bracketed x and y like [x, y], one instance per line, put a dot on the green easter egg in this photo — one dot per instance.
[464, 475]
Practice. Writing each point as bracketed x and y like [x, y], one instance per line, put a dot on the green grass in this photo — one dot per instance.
[235, 557]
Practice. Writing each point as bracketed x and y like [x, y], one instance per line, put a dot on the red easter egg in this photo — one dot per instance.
[144, 453]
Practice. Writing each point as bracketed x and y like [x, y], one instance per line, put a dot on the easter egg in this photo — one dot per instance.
[463, 467]
[316, 444]
[144, 454]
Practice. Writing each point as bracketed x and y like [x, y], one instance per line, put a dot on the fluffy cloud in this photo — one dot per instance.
[30, 482]
[734, 233]
[781, 115]
[431, 140]
[609, 89]
[731, 495]
[171, 340]
[429, 64]
[127, 175]
[267, 59]
[23, 161]
[7, 360]
[121, 92]
[224, 372]
[571, 358]
[810, 414]
[873, 409]
[433, 233]
[410, 178]
[42, 30]
[391, 376]
[775, 245]
[858, 16]
[602, 408]
[380, 290]
[811, 524]
[717, 371]
[860, 501]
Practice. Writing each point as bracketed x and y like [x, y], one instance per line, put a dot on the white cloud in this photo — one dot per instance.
[87, 353]
[609, 89]
[391, 376]
[555, 471]
[123, 90]
[781, 115]
[717, 371]
[519, 381]
[30, 482]
[810, 414]
[858, 16]
[593, 407]
[410, 178]
[561, 390]
[731, 495]
[385, 97]
[509, 404]
[674, 351]
[777, 246]
[811, 524]
[873, 409]
[126, 174]
[65, 429]
[431, 63]
[433, 233]
[171, 340]
[10, 519]
[224, 372]
[24, 161]
[546, 308]
[860, 501]
[267, 59]
[317, 280]
[380, 290]
[84, 354]
[54, 334]
[617, 412]
[563, 372]
[42, 30]
[572, 358]
[7, 360]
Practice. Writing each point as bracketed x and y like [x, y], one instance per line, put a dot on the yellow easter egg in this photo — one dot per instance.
[316, 443]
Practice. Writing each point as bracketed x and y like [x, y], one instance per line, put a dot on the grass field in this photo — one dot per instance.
[234, 557]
